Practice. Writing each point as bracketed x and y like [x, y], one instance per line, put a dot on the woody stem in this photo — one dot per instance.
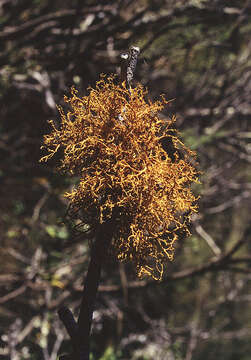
[80, 331]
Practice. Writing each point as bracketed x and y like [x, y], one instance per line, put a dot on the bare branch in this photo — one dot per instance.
[134, 52]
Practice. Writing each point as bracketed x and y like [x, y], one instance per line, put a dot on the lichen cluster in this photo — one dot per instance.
[112, 139]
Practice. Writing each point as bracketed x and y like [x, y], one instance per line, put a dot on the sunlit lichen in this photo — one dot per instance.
[112, 139]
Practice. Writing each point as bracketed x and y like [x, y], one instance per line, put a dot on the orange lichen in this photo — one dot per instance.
[112, 139]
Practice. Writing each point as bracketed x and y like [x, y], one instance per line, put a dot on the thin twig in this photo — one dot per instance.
[210, 241]
[128, 64]
[134, 52]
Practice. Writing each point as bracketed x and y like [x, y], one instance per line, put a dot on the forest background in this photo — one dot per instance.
[196, 52]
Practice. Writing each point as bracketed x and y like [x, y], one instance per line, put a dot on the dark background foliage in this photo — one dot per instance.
[197, 52]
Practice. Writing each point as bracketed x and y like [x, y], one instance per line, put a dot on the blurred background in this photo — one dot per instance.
[196, 52]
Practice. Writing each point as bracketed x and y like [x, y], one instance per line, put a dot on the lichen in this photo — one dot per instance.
[112, 139]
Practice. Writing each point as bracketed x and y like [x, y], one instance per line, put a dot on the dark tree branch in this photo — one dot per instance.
[88, 299]
[69, 322]
[80, 332]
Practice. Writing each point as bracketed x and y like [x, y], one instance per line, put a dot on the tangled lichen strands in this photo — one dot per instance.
[125, 174]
